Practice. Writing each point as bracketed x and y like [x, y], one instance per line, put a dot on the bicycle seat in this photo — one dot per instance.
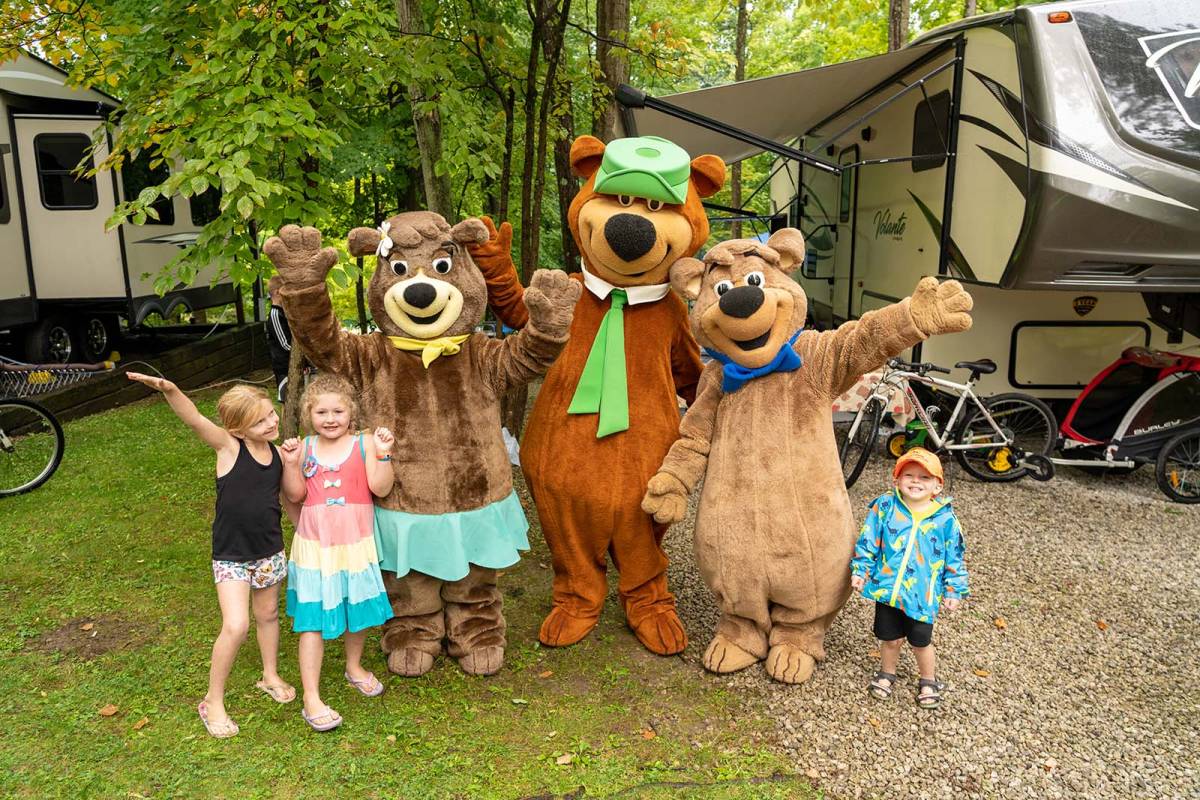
[984, 366]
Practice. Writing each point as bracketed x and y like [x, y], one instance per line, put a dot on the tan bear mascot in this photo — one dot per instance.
[607, 411]
[774, 530]
[452, 519]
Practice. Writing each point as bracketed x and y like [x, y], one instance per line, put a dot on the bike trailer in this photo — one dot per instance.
[1136, 404]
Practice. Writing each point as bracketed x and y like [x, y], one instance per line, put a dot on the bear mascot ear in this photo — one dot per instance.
[363, 241]
[586, 154]
[470, 231]
[686, 275]
[708, 173]
[789, 243]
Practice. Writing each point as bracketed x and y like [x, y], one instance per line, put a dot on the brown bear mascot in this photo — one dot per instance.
[607, 411]
[452, 519]
[774, 531]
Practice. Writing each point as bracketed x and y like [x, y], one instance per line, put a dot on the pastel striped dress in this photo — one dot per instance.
[334, 583]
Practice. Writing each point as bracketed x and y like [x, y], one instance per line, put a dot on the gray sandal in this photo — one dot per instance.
[931, 699]
[878, 688]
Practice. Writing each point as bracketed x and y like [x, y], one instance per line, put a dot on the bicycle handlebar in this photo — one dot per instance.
[920, 369]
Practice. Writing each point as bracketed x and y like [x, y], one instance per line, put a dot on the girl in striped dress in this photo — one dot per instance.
[334, 584]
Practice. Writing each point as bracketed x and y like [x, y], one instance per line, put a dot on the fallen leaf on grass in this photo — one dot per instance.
[1101, 624]
[520, 701]
[391, 738]
[648, 734]
[564, 759]
[874, 722]
[983, 673]
[542, 565]
[1000, 623]
[551, 734]
[141, 723]
[87, 626]
[108, 710]
[546, 674]
[874, 654]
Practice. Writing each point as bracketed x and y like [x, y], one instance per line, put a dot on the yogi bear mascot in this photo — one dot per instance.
[774, 531]
[607, 411]
[452, 518]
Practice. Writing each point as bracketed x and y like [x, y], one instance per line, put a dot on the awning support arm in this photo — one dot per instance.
[635, 98]
[920, 83]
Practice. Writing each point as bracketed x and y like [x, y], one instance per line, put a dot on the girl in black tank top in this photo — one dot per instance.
[247, 543]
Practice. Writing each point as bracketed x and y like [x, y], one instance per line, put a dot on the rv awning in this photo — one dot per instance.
[30, 76]
[779, 108]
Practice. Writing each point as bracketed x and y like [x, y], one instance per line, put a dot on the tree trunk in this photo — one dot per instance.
[739, 74]
[562, 126]
[510, 121]
[553, 42]
[530, 225]
[970, 8]
[295, 387]
[612, 32]
[426, 120]
[897, 24]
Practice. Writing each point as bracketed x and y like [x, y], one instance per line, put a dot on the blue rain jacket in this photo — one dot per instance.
[910, 561]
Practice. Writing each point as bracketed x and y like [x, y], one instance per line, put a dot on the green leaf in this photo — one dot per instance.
[245, 207]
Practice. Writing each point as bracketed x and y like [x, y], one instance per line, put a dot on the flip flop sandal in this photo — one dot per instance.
[331, 717]
[280, 694]
[217, 730]
[369, 686]
[878, 689]
[931, 699]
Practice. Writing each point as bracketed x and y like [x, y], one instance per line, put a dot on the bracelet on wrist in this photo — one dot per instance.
[387, 457]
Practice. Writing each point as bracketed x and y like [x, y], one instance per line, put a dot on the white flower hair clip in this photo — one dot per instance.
[385, 243]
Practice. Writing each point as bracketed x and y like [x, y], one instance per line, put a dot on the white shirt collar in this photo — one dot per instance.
[635, 294]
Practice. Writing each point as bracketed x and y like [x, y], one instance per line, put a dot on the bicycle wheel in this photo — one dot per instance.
[1027, 425]
[1178, 468]
[31, 446]
[855, 449]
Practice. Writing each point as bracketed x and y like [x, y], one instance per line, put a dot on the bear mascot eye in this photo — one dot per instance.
[654, 205]
[722, 287]
[754, 279]
[441, 265]
[625, 200]
[400, 268]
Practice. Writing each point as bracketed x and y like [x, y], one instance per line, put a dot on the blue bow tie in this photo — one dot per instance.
[334, 484]
[335, 501]
[333, 468]
[735, 376]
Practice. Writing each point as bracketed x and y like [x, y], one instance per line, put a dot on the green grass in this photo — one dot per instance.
[120, 537]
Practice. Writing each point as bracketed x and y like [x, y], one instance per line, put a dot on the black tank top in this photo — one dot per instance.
[246, 525]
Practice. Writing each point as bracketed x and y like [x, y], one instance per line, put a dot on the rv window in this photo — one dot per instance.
[5, 208]
[57, 155]
[846, 198]
[931, 130]
[206, 207]
[137, 175]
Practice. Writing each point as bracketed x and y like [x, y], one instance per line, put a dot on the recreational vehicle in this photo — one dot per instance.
[64, 281]
[1048, 156]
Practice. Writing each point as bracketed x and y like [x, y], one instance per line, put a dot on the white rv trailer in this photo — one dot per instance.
[64, 281]
[1048, 156]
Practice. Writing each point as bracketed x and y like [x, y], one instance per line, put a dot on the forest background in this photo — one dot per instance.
[339, 114]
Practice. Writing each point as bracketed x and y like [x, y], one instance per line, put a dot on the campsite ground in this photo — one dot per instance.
[1070, 666]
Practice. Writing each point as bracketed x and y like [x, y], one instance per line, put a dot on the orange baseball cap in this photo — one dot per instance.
[921, 457]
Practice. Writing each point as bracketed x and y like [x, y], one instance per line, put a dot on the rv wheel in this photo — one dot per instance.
[50, 340]
[96, 337]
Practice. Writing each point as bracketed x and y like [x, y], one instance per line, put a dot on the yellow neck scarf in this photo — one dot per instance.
[430, 348]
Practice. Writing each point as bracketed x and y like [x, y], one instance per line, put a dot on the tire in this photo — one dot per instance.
[31, 446]
[895, 444]
[97, 335]
[855, 449]
[51, 340]
[1027, 422]
[1178, 468]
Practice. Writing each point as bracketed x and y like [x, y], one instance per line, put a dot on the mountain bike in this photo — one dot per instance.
[998, 438]
[31, 438]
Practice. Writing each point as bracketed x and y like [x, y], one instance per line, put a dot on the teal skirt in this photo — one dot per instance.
[446, 545]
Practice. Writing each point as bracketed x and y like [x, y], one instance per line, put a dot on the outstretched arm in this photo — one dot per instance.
[520, 358]
[687, 460]
[837, 358]
[209, 432]
[494, 258]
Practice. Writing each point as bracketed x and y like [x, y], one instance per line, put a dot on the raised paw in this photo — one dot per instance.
[499, 241]
[298, 256]
[551, 299]
[723, 656]
[787, 663]
[941, 307]
[665, 499]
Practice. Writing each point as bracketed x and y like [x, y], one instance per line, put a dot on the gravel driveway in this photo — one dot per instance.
[1073, 668]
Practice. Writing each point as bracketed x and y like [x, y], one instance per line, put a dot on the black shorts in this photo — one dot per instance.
[892, 624]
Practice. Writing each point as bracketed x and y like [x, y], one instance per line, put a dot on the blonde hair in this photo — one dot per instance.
[239, 407]
[325, 383]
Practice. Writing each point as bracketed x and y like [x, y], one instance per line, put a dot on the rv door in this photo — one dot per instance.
[843, 254]
[73, 257]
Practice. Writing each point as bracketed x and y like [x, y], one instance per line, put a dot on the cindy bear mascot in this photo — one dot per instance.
[452, 518]
[607, 410]
[774, 531]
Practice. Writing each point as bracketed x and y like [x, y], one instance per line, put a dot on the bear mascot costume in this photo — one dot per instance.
[607, 411]
[774, 530]
[452, 518]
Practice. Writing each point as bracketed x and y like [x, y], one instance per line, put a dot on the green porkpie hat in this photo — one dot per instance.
[645, 166]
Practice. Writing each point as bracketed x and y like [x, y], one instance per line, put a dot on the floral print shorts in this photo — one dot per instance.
[260, 573]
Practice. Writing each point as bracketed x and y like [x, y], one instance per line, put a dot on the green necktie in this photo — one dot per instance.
[602, 386]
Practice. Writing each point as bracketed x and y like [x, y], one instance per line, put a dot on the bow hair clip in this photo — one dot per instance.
[385, 242]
